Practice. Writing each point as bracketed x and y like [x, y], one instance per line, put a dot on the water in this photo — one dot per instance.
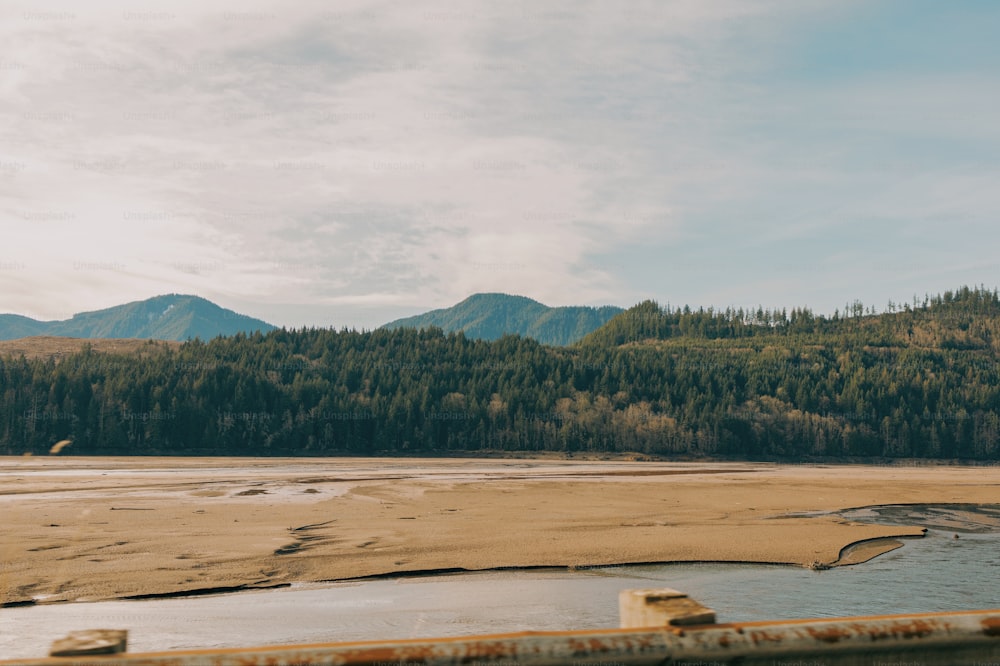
[936, 573]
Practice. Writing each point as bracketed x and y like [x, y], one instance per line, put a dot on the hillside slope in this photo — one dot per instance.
[169, 317]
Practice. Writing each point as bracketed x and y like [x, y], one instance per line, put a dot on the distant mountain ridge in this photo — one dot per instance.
[490, 316]
[168, 317]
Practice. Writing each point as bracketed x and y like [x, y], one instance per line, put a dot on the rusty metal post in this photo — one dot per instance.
[659, 608]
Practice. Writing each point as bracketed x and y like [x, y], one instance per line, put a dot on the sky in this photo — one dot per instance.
[347, 163]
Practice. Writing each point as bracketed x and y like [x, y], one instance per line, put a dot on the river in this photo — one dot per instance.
[936, 573]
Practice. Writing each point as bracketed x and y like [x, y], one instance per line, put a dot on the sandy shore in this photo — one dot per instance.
[79, 529]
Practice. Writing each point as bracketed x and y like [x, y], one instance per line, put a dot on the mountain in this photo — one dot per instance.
[15, 326]
[170, 317]
[491, 316]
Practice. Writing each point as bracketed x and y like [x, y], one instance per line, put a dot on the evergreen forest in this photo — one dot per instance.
[918, 380]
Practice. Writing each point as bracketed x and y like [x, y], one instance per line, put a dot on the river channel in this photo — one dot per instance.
[936, 573]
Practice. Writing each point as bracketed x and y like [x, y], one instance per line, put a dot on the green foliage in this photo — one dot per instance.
[920, 381]
[171, 317]
[491, 316]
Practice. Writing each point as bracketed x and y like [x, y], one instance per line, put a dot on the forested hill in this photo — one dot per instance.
[963, 319]
[920, 381]
[491, 316]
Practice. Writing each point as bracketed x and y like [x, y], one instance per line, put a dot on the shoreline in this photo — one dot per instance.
[890, 544]
[867, 550]
[102, 529]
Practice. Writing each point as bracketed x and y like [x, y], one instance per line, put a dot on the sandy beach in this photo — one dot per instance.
[84, 529]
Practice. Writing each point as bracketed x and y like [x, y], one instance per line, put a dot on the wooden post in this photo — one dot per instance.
[660, 607]
[90, 642]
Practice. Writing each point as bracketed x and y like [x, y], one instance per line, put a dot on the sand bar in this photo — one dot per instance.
[82, 529]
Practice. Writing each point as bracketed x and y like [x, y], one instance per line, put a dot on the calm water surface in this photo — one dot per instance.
[935, 573]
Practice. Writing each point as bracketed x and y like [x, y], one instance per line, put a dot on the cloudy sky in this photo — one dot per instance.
[346, 163]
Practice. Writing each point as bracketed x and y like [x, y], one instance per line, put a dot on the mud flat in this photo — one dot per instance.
[85, 529]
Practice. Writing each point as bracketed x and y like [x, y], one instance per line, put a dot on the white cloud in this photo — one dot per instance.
[380, 154]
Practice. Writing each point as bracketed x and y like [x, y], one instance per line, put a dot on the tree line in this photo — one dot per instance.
[919, 380]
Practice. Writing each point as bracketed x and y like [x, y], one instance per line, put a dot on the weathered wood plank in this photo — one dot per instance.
[91, 642]
[661, 607]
